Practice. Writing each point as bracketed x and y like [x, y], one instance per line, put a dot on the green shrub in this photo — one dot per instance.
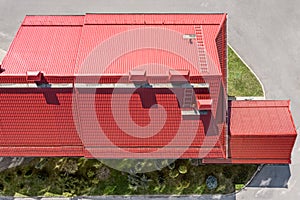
[182, 169]
[1, 187]
[227, 171]
[173, 173]
[239, 186]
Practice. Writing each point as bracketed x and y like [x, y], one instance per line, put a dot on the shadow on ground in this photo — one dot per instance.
[272, 176]
[10, 162]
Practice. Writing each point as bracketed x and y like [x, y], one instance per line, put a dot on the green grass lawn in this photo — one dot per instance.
[79, 176]
[241, 82]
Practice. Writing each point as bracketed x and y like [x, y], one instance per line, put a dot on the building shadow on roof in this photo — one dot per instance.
[51, 98]
[272, 176]
[148, 98]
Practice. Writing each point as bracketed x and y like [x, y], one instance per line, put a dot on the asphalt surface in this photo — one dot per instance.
[265, 34]
[2, 54]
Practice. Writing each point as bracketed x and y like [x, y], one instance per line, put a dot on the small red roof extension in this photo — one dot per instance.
[261, 132]
[261, 118]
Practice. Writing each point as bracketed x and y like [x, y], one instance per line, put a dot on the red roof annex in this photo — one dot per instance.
[260, 132]
[130, 86]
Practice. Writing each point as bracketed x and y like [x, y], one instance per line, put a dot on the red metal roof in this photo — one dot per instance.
[206, 19]
[29, 123]
[49, 151]
[33, 117]
[120, 130]
[267, 117]
[262, 130]
[107, 48]
[108, 153]
[42, 122]
[247, 161]
[50, 49]
[141, 45]
[53, 20]
[58, 45]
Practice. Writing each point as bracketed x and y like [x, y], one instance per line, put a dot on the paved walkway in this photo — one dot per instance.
[264, 33]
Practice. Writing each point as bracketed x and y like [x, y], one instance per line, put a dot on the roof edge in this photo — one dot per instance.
[259, 103]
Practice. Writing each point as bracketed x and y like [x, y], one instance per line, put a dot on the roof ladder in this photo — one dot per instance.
[201, 49]
[188, 98]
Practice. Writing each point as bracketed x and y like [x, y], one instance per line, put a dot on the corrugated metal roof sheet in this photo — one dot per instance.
[34, 119]
[139, 121]
[30, 117]
[212, 19]
[40, 122]
[133, 46]
[51, 43]
[261, 118]
[261, 161]
[261, 131]
[247, 161]
[59, 46]
[264, 147]
[34, 151]
[119, 130]
[50, 49]
[137, 153]
[53, 20]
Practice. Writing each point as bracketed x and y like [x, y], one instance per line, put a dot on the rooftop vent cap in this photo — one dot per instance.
[179, 75]
[137, 75]
[189, 36]
[33, 75]
[204, 104]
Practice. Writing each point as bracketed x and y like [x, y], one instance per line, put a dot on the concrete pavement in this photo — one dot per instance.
[2, 54]
[264, 33]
